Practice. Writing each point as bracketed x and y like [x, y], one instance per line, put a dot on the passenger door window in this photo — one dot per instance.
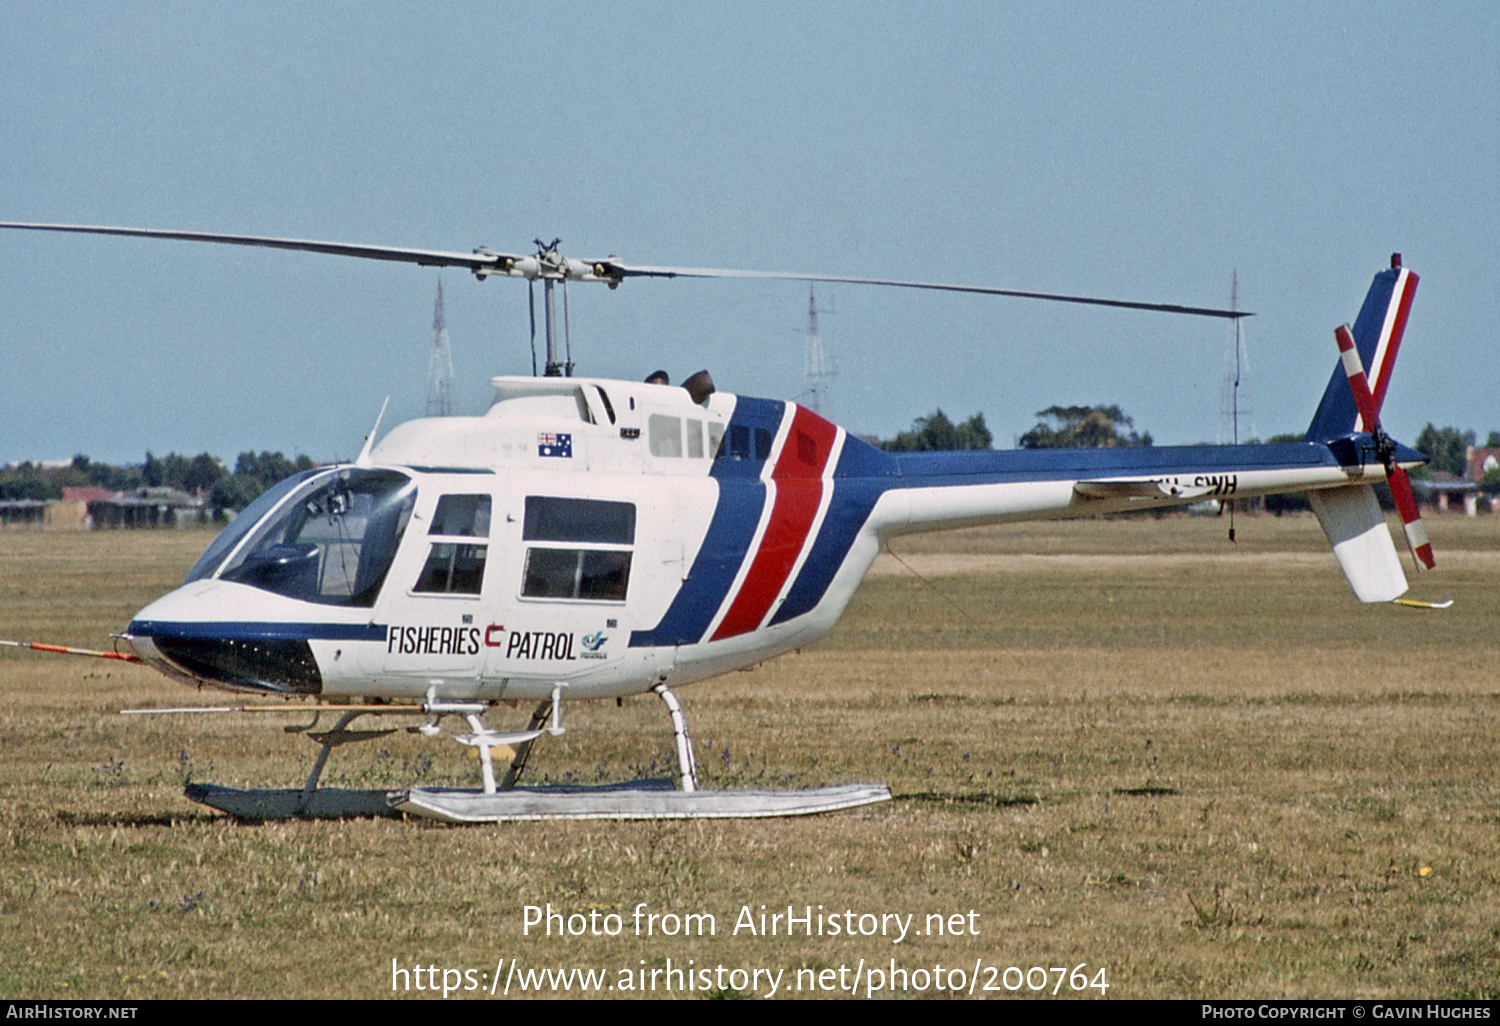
[455, 562]
[593, 567]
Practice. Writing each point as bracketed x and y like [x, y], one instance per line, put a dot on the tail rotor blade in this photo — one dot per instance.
[1411, 519]
[1369, 413]
[1359, 384]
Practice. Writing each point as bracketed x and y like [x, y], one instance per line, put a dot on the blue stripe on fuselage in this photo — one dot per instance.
[251, 631]
[742, 497]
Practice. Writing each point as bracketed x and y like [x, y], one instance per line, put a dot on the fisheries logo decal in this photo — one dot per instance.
[593, 645]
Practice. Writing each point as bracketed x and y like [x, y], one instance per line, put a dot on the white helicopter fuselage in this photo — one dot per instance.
[603, 537]
[538, 545]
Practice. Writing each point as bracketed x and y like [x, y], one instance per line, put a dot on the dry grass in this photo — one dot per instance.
[1205, 769]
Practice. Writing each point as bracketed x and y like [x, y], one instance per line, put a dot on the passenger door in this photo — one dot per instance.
[435, 599]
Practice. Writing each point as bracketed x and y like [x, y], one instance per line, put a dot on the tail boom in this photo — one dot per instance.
[949, 490]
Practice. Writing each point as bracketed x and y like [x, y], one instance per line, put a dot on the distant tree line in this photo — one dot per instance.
[1082, 427]
[252, 475]
[201, 475]
[936, 433]
[1448, 448]
[1059, 427]
[1104, 427]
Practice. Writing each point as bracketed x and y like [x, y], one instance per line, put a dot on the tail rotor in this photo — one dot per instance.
[1385, 450]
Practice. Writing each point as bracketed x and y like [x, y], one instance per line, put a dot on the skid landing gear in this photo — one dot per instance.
[507, 800]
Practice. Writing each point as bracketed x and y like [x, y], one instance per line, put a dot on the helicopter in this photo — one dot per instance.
[589, 538]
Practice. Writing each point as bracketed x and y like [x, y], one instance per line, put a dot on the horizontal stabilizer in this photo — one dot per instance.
[1355, 526]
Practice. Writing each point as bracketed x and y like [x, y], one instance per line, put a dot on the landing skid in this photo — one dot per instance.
[324, 803]
[637, 799]
[506, 801]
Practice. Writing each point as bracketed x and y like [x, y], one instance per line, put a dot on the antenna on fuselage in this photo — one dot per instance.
[1234, 401]
[363, 459]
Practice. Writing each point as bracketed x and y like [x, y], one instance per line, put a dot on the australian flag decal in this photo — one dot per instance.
[554, 445]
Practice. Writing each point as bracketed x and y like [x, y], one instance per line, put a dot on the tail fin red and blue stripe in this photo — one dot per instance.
[1377, 337]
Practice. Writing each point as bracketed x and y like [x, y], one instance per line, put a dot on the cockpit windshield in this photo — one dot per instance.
[231, 536]
[331, 542]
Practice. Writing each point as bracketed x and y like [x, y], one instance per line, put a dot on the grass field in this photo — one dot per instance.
[1126, 745]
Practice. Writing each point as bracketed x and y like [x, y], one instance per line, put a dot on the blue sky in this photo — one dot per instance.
[1137, 151]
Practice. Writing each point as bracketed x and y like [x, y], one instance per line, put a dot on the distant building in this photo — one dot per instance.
[1479, 462]
[148, 508]
[72, 512]
[23, 512]
[1443, 491]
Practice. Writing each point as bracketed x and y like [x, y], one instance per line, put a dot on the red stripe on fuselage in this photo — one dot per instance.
[798, 476]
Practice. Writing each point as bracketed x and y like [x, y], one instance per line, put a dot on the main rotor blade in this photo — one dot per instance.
[614, 268]
[483, 261]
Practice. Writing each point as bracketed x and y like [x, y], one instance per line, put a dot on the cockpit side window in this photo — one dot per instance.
[455, 563]
[467, 516]
[333, 543]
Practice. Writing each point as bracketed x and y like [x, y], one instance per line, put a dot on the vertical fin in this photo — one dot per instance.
[1377, 337]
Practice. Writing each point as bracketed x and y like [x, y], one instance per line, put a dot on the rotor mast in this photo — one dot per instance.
[552, 268]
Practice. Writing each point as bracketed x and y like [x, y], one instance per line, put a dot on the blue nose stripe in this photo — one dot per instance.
[253, 631]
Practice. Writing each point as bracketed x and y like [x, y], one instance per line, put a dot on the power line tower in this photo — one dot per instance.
[819, 368]
[1236, 415]
[439, 364]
